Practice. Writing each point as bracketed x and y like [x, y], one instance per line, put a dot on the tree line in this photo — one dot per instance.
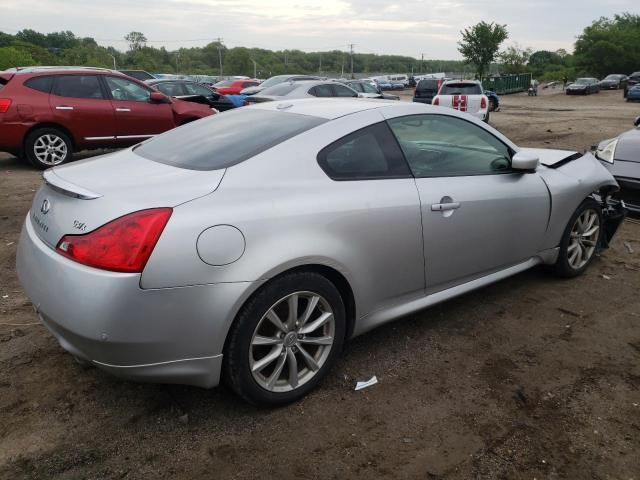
[608, 45]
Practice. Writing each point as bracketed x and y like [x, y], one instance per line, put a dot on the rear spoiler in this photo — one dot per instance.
[5, 77]
[67, 188]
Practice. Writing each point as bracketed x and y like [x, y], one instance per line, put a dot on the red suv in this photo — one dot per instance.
[47, 113]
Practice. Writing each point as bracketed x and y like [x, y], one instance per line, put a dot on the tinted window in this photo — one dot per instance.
[368, 88]
[249, 84]
[461, 89]
[173, 89]
[42, 84]
[357, 87]
[321, 91]
[123, 89]
[443, 146]
[280, 90]
[427, 86]
[370, 153]
[342, 91]
[220, 141]
[195, 89]
[78, 86]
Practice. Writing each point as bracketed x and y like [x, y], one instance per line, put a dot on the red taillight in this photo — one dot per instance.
[5, 103]
[122, 245]
[435, 101]
[483, 102]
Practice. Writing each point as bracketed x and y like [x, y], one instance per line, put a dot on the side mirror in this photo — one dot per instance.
[158, 97]
[524, 161]
[636, 122]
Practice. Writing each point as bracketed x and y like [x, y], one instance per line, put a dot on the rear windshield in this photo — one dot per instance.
[461, 89]
[223, 140]
[427, 85]
[279, 90]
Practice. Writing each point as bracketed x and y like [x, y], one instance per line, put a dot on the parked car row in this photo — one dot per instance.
[47, 113]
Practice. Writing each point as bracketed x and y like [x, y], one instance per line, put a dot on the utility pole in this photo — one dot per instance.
[220, 54]
[286, 59]
[255, 69]
[342, 67]
[114, 62]
[422, 63]
[320, 69]
[351, 54]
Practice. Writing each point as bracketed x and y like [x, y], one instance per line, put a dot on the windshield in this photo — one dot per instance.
[279, 90]
[461, 89]
[274, 81]
[613, 77]
[427, 85]
[368, 88]
[220, 141]
[582, 81]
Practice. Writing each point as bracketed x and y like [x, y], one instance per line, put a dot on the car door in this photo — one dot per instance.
[79, 103]
[478, 216]
[136, 117]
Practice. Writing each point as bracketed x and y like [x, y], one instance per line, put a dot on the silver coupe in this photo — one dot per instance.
[251, 246]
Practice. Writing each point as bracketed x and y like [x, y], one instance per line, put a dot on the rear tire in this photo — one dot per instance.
[47, 147]
[580, 240]
[270, 357]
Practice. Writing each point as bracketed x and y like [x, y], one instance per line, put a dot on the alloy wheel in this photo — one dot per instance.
[584, 238]
[50, 149]
[292, 341]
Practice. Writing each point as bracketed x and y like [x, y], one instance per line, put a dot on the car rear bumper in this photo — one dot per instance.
[170, 335]
[12, 136]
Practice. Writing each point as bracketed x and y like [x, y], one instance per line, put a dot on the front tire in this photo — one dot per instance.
[285, 339]
[48, 147]
[580, 240]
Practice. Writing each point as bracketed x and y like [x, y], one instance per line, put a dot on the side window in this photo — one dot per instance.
[357, 87]
[370, 153]
[443, 146]
[42, 84]
[321, 91]
[342, 91]
[78, 86]
[123, 89]
[195, 89]
[171, 89]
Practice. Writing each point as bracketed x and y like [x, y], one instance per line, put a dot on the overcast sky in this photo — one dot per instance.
[407, 27]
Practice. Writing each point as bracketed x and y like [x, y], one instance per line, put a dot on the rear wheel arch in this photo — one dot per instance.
[331, 274]
[57, 126]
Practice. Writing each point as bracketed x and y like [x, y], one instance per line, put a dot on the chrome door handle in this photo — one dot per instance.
[443, 207]
[123, 109]
[64, 107]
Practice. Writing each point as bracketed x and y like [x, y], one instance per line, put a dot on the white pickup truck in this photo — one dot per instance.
[465, 96]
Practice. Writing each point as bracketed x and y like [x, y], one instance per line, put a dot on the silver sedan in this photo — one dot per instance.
[251, 246]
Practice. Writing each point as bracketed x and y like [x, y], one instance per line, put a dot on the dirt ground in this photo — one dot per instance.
[530, 378]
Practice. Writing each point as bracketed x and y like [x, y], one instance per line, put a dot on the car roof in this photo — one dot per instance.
[59, 69]
[330, 108]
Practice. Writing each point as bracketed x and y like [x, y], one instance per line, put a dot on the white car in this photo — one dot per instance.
[464, 96]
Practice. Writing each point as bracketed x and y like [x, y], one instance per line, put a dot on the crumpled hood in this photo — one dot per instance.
[549, 157]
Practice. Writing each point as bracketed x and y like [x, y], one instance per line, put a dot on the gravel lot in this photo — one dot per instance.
[533, 377]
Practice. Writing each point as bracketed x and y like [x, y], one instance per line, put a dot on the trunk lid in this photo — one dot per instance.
[83, 196]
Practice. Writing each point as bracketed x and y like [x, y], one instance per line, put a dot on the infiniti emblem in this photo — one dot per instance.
[46, 206]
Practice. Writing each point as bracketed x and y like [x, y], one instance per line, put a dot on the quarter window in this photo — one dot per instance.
[321, 91]
[42, 84]
[123, 89]
[443, 146]
[78, 86]
[370, 153]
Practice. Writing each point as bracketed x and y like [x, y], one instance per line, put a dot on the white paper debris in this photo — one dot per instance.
[606, 277]
[372, 381]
